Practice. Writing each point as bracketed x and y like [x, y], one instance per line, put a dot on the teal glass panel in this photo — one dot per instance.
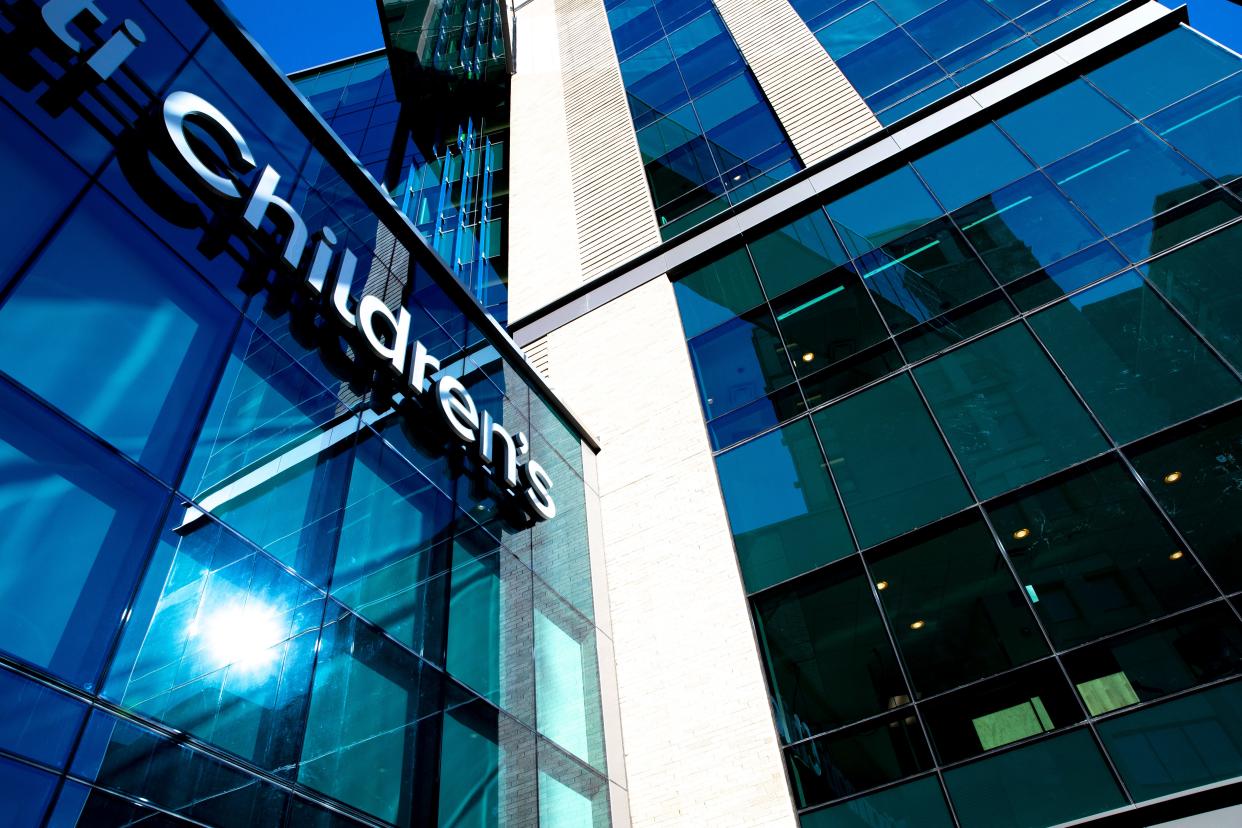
[470, 757]
[1201, 127]
[1094, 557]
[1163, 71]
[760, 415]
[1062, 121]
[954, 607]
[889, 461]
[1008, 415]
[920, 802]
[136, 391]
[1069, 274]
[1177, 745]
[855, 29]
[1126, 178]
[796, 251]
[1053, 781]
[883, 210]
[1166, 657]
[923, 275]
[823, 645]
[78, 523]
[857, 759]
[1172, 227]
[1135, 363]
[569, 794]
[1024, 227]
[827, 320]
[1200, 280]
[976, 316]
[567, 692]
[368, 699]
[973, 165]
[854, 372]
[739, 361]
[1000, 711]
[716, 291]
[783, 512]
[220, 644]
[1191, 473]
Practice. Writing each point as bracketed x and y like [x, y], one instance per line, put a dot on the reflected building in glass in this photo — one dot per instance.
[891, 477]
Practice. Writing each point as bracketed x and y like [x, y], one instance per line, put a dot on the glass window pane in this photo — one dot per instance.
[883, 210]
[1008, 415]
[884, 60]
[1053, 781]
[1172, 227]
[716, 291]
[827, 320]
[1201, 281]
[851, 373]
[1134, 362]
[796, 251]
[783, 512]
[136, 391]
[1163, 71]
[953, 23]
[36, 721]
[361, 734]
[1066, 276]
[220, 644]
[739, 361]
[1062, 121]
[569, 794]
[1094, 557]
[889, 461]
[567, 694]
[936, 335]
[915, 803]
[1023, 227]
[854, 30]
[1126, 178]
[954, 607]
[1193, 475]
[973, 165]
[78, 522]
[737, 123]
[1001, 711]
[828, 659]
[1202, 125]
[1176, 654]
[923, 275]
[857, 759]
[758, 416]
[705, 53]
[25, 792]
[1185, 743]
[653, 84]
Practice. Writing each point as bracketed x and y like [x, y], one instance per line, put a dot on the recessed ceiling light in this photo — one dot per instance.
[1021, 533]
[918, 625]
[1173, 477]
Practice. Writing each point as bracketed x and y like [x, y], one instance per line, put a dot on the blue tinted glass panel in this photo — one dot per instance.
[1203, 126]
[36, 721]
[952, 24]
[883, 210]
[737, 122]
[1063, 121]
[72, 509]
[136, 391]
[882, 61]
[25, 792]
[914, 803]
[739, 361]
[1166, 70]
[1127, 177]
[972, 166]
[854, 30]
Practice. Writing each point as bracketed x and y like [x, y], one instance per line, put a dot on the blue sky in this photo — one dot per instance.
[302, 33]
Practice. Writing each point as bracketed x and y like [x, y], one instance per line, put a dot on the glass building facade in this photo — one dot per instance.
[976, 423]
[237, 585]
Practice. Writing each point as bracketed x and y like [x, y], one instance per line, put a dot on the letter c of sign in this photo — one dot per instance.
[181, 106]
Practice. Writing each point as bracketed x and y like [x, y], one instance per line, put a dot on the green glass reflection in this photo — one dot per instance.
[796, 252]
[1094, 557]
[782, 510]
[889, 462]
[823, 645]
[954, 607]
[920, 802]
[1135, 363]
[1172, 655]
[1052, 781]
[716, 291]
[567, 700]
[569, 794]
[1177, 745]
[1194, 476]
[1201, 281]
[827, 320]
[857, 759]
[1008, 415]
